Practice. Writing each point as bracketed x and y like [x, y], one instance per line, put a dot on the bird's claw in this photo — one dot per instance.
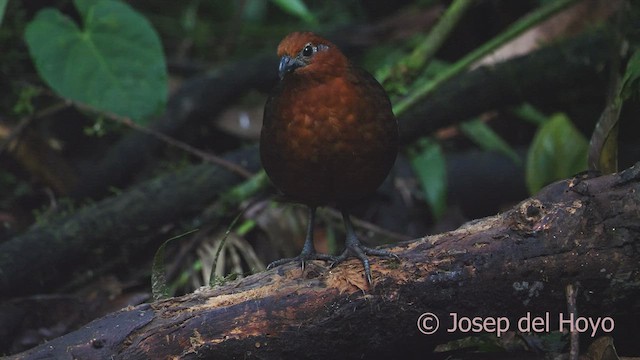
[360, 251]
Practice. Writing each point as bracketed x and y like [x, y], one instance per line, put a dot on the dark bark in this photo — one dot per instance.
[38, 259]
[582, 231]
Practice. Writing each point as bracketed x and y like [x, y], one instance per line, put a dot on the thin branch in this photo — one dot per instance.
[25, 121]
[572, 308]
[239, 170]
[337, 215]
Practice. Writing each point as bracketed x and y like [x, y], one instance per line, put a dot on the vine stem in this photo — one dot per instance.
[461, 65]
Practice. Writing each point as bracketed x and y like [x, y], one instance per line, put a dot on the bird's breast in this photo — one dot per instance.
[328, 142]
[323, 121]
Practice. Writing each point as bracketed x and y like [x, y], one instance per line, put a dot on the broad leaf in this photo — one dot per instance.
[557, 151]
[429, 164]
[113, 63]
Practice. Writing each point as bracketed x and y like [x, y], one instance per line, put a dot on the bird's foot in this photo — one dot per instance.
[360, 251]
[303, 258]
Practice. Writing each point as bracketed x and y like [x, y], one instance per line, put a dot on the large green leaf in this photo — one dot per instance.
[558, 151]
[429, 164]
[113, 63]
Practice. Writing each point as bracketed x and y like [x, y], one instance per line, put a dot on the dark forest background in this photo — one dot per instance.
[127, 124]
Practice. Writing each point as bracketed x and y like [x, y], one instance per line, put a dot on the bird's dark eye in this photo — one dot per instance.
[307, 51]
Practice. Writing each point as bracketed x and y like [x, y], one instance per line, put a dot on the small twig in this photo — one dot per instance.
[572, 294]
[25, 121]
[337, 215]
[169, 140]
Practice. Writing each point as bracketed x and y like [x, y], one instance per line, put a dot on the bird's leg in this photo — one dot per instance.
[308, 250]
[355, 248]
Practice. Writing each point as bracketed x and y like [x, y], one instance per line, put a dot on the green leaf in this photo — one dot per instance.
[557, 151]
[487, 139]
[3, 6]
[630, 83]
[429, 164]
[84, 6]
[529, 113]
[24, 104]
[114, 63]
[296, 8]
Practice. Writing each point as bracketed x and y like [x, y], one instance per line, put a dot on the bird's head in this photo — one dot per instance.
[307, 54]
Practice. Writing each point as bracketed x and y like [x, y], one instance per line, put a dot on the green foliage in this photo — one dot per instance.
[517, 28]
[630, 83]
[424, 51]
[234, 197]
[429, 163]
[98, 128]
[24, 104]
[113, 63]
[3, 6]
[296, 8]
[603, 151]
[160, 287]
[246, 226]
[246, 189]
[529, 113]
[213, 279]
[557, 151]
[487, 139]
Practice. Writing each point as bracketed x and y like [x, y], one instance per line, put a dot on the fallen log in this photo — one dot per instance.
[582, 231]
[38, 260]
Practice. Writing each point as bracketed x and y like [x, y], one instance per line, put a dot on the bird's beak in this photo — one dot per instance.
[288, 64]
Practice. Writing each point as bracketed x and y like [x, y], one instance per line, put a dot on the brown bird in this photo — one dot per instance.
[329, 137]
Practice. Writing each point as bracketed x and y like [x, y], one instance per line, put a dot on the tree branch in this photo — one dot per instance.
[38, 259]
[579, 230]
